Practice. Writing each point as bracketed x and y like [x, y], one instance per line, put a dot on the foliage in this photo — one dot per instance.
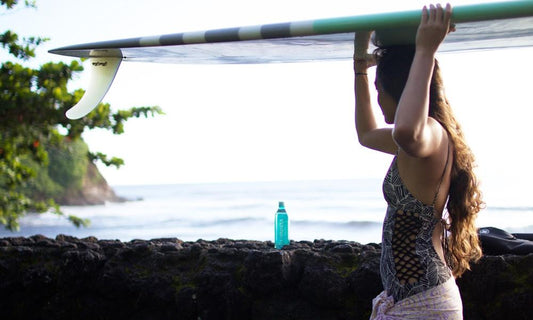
[68, 163]
[32, 107]
[65, 171]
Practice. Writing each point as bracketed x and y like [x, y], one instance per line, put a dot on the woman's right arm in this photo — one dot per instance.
[368, 133]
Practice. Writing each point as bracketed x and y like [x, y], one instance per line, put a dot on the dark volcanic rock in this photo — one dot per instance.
[70, 278]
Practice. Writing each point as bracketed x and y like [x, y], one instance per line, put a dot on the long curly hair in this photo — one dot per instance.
[465, 198]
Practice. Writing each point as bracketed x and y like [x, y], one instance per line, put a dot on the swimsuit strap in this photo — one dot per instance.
[443, 222]
[442, 177]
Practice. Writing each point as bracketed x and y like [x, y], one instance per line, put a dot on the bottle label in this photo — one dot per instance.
[282, 231]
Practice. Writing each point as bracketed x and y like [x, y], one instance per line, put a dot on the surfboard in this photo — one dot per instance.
[486, 26]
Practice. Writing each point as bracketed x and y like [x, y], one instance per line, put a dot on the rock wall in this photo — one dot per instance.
[69, 278]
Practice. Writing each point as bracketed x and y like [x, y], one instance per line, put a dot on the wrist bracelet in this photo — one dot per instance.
[361, 74]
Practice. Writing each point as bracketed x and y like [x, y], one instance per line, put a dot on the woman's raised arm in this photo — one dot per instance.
[414, 131]
[368, 133]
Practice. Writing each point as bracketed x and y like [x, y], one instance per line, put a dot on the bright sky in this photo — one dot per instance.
[269, 122]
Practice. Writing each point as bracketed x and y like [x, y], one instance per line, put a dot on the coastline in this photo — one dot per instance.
[341, 210]
[67, 278]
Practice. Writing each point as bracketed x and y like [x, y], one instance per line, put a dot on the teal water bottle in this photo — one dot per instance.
[281, 227]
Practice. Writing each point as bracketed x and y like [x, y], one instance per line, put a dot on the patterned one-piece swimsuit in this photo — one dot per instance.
[409, 262]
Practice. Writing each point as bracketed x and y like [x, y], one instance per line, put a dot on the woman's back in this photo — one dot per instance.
[409, 262]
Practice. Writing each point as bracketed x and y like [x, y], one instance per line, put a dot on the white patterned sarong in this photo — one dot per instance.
[440, 302]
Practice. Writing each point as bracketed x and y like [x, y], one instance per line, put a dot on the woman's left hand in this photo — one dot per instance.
[433, 28]
[361, 58]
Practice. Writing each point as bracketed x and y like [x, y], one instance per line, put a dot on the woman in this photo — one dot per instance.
[431, 170]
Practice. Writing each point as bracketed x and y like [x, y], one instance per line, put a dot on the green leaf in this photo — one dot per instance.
[78, 222]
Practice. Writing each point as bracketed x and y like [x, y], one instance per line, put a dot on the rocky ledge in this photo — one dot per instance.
[94, 190]
[70, 278]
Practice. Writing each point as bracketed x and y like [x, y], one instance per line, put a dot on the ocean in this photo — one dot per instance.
[335, 210]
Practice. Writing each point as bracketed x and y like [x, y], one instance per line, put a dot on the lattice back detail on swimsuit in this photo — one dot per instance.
[406, 262]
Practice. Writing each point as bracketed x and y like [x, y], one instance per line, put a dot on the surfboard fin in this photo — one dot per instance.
[102, 73]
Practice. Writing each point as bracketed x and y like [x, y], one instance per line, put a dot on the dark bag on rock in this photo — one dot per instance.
[495, 241]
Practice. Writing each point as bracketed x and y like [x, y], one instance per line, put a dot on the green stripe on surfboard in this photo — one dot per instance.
[467, 13]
